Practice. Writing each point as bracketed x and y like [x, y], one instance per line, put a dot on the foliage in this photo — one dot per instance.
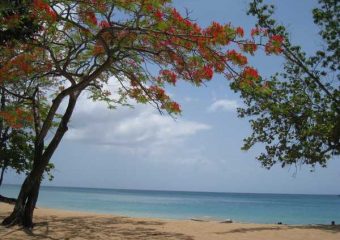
[85, 44]
[16, 140]
[15, 22]
[298, 117]
[115, 50]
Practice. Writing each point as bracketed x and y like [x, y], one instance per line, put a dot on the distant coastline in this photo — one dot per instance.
[175, 191]
[296, 209]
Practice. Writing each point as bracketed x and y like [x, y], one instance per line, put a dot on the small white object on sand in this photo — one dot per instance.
[227, 221]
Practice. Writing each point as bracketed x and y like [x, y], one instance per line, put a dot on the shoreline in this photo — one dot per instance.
[240, 207]
[64, 224]
[46, 209]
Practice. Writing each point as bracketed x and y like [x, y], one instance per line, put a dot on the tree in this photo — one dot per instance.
[298, 118]
[14, 149]
[86, 45]
[16, 137]
[15, 145]
[16, 141]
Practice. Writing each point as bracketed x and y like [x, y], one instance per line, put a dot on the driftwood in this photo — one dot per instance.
[7, 200]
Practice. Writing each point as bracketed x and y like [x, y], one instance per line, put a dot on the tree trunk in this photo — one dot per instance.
[23, 211]
[7, 200]
[3, 198]
[3, 169]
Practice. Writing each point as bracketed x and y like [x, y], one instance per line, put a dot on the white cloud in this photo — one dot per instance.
[140, 129]
[224, 105]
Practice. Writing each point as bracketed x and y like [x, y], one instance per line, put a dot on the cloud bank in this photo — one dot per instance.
[138, 130]
[223, 105]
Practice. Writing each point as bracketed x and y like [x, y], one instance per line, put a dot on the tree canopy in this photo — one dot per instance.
[298, 121]
[21, 26]
[137, 46]
[16, 140]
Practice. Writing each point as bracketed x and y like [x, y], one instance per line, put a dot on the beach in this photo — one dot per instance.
[60, 224]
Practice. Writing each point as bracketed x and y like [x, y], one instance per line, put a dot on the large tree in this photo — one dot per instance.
[298, 119]
[16, 138]
[140, 45]
[16, 147]
[16, 141]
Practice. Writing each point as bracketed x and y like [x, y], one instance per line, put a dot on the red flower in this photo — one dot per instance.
[255, 31]
[176, 16]
[158, 92]
[219, 66]
[249, 47]
[40, 5]
[236, 57]
[274, 45]
[170, 76]
[175, 107]
[98, 49]
[208, 72]
[90, 17]
[104, 24]
[149, 8]
[250, 74]
[216, 31]
[159, 15]
[277, 38]
[239, 31]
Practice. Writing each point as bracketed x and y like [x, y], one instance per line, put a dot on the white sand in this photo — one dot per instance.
[55, 224]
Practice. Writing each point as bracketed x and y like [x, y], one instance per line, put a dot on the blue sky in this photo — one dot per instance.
[200, 151]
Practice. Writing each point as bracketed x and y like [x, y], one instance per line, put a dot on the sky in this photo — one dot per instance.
[137, 148]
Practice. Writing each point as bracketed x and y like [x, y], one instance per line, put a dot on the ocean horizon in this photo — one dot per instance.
[261, 208]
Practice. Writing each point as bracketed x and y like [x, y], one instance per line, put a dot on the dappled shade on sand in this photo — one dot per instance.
[54, 225]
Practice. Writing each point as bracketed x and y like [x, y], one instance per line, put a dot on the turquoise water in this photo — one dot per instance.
[241, 207]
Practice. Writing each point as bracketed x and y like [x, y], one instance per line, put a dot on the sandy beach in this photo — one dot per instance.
[57, 224]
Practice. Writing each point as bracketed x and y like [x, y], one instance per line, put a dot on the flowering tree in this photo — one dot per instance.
[16, 140]
[85, 45]
[16, 147]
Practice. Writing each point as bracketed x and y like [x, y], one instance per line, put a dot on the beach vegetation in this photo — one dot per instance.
[16, 141]
[298, 120]
[116, 51]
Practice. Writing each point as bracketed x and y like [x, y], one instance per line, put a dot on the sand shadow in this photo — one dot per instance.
[92, 227]
[327, 228]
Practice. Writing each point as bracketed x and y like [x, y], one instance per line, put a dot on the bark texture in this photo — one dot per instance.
[24, 207]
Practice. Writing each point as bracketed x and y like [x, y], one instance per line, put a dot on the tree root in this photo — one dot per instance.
[18, 218]
[7, 200]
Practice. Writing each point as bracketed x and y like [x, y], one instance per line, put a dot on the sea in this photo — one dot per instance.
[240, 207]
